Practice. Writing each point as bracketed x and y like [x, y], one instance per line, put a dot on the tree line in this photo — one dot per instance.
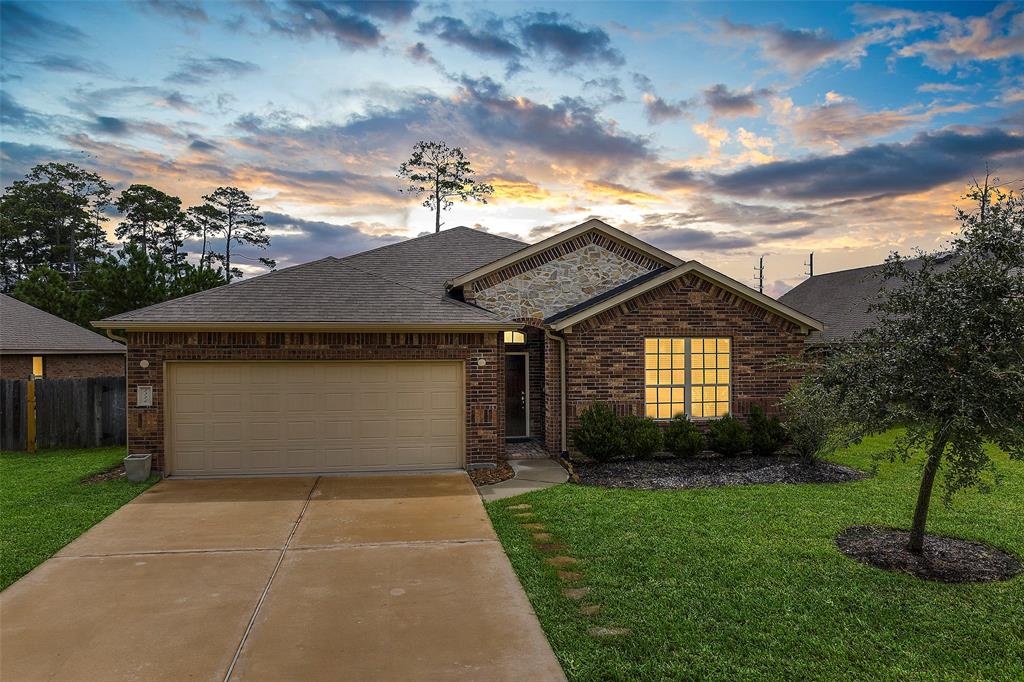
[55, 255]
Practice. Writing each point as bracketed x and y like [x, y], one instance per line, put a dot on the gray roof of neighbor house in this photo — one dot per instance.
[401, 284]
[27, 330]
[841, 300]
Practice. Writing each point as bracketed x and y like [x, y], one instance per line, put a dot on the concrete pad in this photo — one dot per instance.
[150, 617]
[381, 509]
[540, 470]
[237, 513]
[441, 611]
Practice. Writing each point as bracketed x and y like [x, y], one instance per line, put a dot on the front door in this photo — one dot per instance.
[515, 396]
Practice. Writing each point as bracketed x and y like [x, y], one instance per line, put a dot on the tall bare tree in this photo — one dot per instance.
[239, 221]
[442, 174]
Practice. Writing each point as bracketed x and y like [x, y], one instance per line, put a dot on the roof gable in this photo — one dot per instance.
[642, 285]
[26, 329]
[593, 231]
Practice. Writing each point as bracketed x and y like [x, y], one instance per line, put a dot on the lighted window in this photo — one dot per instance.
[686, 375]
[37, 365]
[515, 337]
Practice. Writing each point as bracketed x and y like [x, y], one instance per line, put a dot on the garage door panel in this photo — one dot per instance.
[290, 417]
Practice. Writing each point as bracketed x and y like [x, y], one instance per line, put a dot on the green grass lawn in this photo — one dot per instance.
[745, 583]
[43, 506]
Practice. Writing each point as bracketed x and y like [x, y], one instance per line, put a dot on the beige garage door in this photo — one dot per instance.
[296, 417]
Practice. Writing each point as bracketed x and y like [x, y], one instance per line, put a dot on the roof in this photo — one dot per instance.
[635, 287]
[400, 285]
[25, 329]
[663, 257]
[841, 300]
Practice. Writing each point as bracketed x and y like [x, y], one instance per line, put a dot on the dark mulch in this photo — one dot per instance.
[709, 472]
[502, 472]
[948, 560]
[114, 474]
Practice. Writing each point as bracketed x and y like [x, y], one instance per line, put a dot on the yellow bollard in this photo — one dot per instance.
[30, 435]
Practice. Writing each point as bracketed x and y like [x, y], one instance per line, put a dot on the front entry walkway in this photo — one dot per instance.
[358, 577]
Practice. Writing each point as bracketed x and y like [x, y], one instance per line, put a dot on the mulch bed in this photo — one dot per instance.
[502, 472]
[709, 472]
[948, 560]
[114, 474]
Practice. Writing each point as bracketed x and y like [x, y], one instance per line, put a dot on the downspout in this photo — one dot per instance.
[561, 386]
[116, 337]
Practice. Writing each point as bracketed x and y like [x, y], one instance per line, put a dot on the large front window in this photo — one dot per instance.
[687, 375]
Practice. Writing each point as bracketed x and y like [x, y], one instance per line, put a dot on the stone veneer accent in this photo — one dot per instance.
[559, 284]
[484, 390]
[605, 354]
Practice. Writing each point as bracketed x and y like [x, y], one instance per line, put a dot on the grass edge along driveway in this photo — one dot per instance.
[44, 506]
[745, 583]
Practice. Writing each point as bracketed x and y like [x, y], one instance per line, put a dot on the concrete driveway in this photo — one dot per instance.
[358, 577]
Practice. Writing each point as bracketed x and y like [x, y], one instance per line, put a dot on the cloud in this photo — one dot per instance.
[713, 135]
[385, 10]
[203, 146]
[71, 64]
[620, 194]
[421, 54]
[14, 115]
[22, 27]
[657, 110]
[565, 41]
[732, 103]
[488, 41]
[798, 51]
[843, 119]
[941, 87]
[196, 70]
[930, 159]
[187, 11]
[114, 126]
[959, 41]
[294, 240]
[694, 239]
[677, 178]
[517, 189]
[308, 19]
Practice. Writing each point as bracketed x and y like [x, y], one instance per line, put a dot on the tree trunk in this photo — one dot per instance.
[924, 495]
[437, 212]
[227, 244]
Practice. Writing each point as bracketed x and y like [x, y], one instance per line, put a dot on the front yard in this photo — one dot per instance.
[44, 506]
[746, 582]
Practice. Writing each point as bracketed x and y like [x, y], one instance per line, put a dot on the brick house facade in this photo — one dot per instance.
[592, 295]
[64, 366]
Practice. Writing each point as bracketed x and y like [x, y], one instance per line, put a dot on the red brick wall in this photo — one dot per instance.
[484, 390]
[605, 354]
[535, 349]
[552, 397]
[72, 366]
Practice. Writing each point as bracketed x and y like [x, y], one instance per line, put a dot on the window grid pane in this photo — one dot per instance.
[665, 377]
[709, 379]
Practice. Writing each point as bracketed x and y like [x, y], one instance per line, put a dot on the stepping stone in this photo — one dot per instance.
[542, 537]
[569, 576]
[553, 547]
[576, 593]
[534, 526]
[520, 506]
[608, 632]
[589, 609]
[524, 515]
[562, 560]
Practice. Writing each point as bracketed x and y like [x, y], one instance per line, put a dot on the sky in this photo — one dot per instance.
[720, 132]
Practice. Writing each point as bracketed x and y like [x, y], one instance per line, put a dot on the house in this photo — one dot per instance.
[433, 352]
[842, 300]
[34, 343]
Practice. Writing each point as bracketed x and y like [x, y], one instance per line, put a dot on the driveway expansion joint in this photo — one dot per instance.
[395, 543]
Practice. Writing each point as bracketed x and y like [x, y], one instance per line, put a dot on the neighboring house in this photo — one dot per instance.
[434, 351]
[34, 343]
[842, 300]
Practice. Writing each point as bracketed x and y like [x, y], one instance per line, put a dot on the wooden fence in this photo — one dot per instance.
[69, 413]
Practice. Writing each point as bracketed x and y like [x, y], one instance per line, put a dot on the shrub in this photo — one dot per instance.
[599, 435]
[814, 421]
[683, 438]
[766, 433]
[728, 436]
[641, 437]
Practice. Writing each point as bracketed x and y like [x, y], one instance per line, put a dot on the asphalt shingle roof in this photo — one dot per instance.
[840, 300]
[401, 283]
[25, 329]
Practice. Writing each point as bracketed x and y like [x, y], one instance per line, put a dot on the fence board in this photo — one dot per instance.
[70, 413]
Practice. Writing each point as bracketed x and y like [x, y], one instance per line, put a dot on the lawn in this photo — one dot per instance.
[745, 583]
[43, 505]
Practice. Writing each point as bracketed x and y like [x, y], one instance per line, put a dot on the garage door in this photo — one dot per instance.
[299, 417]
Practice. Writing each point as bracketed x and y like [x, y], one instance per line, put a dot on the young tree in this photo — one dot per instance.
[202, 223]
[443, 174]
[946, 358]
[147, 214]
[239, 221]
